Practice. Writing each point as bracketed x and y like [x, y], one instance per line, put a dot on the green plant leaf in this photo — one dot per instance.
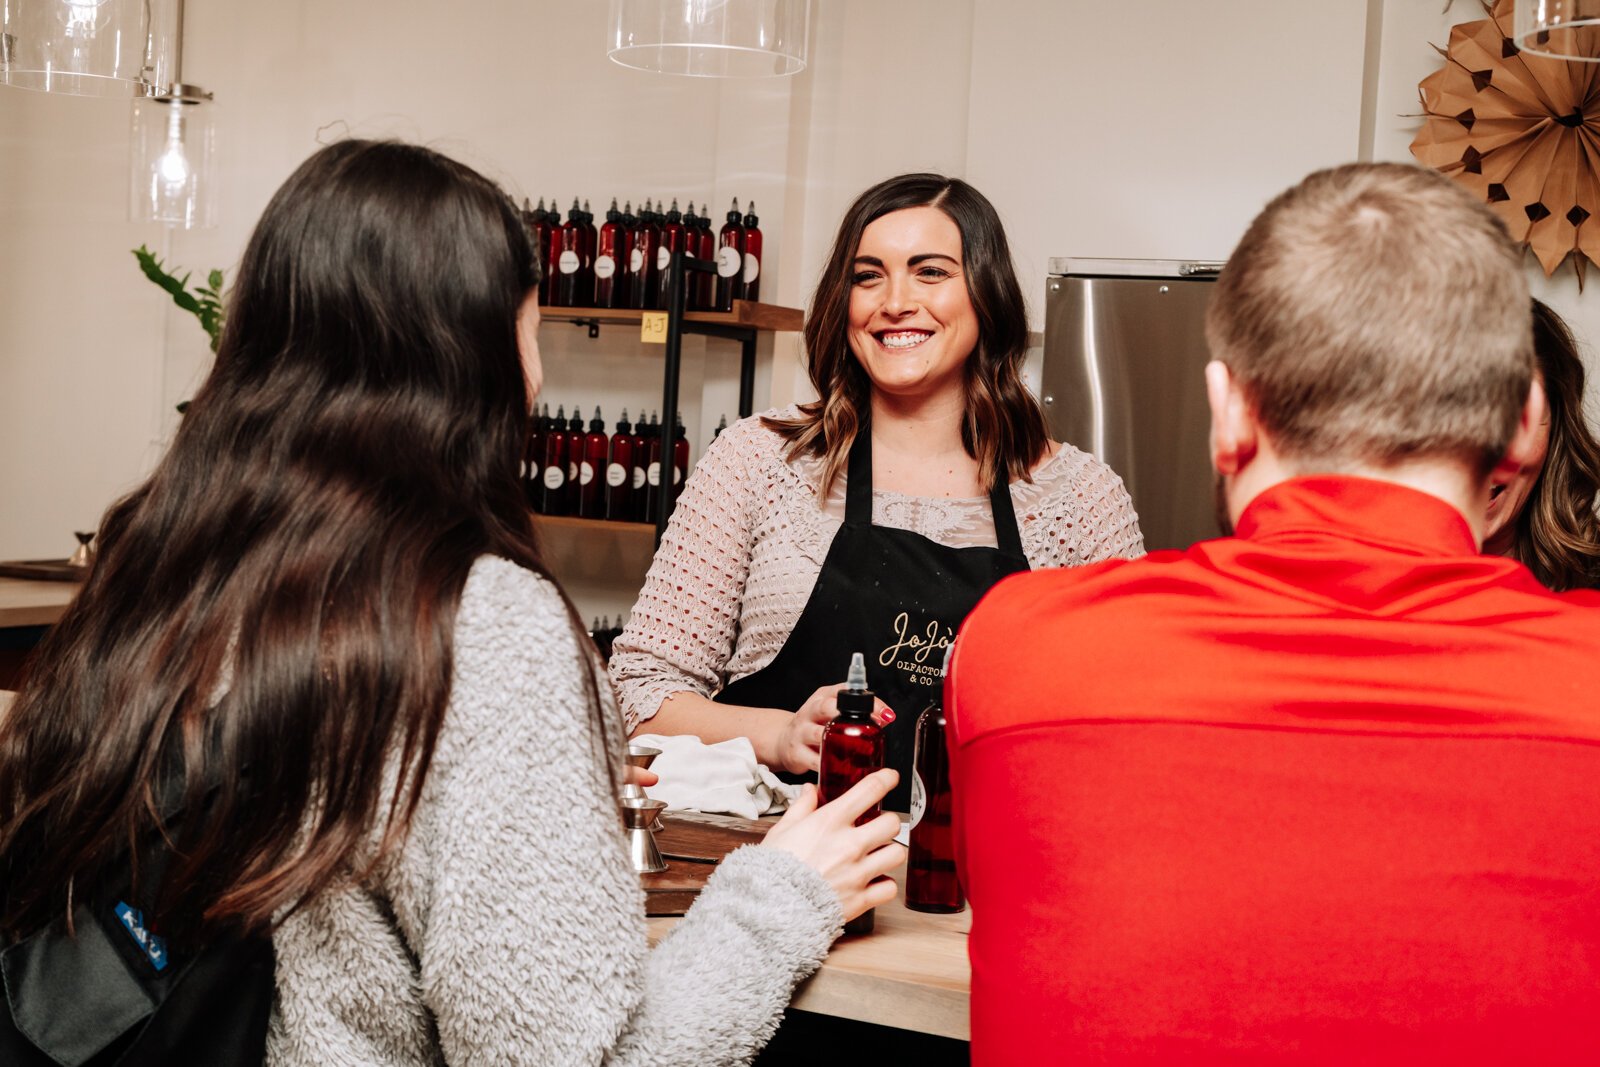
[208, 307]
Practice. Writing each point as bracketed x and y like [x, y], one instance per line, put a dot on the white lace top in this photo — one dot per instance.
[746, 543]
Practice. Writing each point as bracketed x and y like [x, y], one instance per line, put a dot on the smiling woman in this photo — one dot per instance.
[1545, 515]
[921, 476]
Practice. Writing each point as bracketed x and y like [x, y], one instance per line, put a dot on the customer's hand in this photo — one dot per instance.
[799, 743]
[854, 859]
[639, 776]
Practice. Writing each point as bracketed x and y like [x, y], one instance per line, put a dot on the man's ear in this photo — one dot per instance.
[1527, 442]
[1233, 424]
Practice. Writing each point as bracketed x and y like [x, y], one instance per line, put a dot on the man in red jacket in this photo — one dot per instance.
[1327, 790]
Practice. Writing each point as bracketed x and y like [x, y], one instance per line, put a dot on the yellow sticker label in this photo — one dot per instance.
[653, 328]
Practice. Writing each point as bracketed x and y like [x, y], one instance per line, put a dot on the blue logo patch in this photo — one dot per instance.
[155, 948]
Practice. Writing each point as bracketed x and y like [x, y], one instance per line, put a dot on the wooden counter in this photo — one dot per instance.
[910, 972]
[25, 603]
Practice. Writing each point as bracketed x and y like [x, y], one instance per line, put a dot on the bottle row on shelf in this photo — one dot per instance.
[625, 263]
[567, 470]
[604, 635]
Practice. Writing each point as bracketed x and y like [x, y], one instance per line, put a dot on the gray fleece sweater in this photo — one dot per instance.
[510, 927]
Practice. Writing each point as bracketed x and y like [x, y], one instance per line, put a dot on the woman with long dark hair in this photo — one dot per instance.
[873, 518]
[1544, 516]
[319, 663]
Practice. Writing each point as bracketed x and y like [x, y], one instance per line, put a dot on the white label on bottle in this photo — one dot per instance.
[636, 261]
[752, 268]
[663, 258]
[554, 476]
[654, 476]
[605, 267]
[638, 477]
[616, 474]
[569, 262]
[919, 799]
[572, 471]
[727, 261]
[677, 474]
[585, 473]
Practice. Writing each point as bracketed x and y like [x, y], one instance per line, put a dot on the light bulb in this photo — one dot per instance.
[173, 165]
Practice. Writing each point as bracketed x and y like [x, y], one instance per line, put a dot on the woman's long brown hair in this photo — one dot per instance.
[1557, 534]
[1004, 428]
[268, 625]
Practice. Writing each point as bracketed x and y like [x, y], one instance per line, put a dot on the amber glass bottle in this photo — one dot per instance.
[752, 255]
[671, 241]
[730, 260]
[619, 472]
[852, 748]
[553, 468]
[931, 881]
[591, 470]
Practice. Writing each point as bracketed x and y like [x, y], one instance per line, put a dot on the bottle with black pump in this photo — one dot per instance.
[852, 748]
[570, 263]
[610, 282]
[533, 217]
[619, 472]
[575, 446]
[590, 241]
[553, 469]
[671, 241]
[646, 241]
[752, 255]
[705, 285]
[643, 431]
[931, 881]
[632, 262]
[722, 424]
[730, 260]
[592, 470]
[550, 286]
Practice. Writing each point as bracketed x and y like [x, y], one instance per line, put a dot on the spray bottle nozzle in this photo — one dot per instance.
[856, 699]
[857, 678]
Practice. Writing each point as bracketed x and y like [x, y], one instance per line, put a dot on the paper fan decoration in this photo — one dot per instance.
[1521, 131]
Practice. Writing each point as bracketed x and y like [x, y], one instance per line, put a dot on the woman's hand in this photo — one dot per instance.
[855, 860]
[799, 742]
[639, 776]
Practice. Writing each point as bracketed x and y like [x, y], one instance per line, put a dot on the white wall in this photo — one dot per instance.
[1095, 133]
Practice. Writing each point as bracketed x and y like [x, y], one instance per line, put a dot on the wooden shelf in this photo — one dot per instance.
[572, 522]
[771, 317]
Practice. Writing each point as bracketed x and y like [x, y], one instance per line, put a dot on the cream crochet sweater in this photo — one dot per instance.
[510, 927]
[748, 537]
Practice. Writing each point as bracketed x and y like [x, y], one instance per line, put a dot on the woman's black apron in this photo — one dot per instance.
[894, 596]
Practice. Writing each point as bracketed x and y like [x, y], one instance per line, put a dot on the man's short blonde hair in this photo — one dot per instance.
[1375, 313]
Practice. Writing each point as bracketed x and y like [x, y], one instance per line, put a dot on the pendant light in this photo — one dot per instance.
[172, 157]
[172, 162]
[1560, 29]
[87, 47]
[710, 38]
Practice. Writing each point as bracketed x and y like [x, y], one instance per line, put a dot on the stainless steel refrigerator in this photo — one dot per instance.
[1123, 378]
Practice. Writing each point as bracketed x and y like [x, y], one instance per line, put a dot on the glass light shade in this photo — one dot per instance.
[710, 38]
[1561, 29]
[172, 173]
[88, 47]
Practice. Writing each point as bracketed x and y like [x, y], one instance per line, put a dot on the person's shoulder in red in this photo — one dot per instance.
[1038, 636]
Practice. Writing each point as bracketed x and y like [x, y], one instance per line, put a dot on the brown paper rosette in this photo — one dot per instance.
[1522, 132]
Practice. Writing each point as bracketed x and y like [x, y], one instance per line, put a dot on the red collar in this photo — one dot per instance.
[1377, 513]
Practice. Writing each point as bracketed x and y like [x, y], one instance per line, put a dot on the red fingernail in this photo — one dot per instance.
[888, 716]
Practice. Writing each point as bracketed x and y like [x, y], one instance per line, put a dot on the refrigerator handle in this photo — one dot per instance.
[1199, 270]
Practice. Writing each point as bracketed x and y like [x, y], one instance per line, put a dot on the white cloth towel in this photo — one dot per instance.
[724, 778]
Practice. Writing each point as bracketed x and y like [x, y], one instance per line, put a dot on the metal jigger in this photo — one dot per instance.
[640, 756]
[85, 553]
[639, 815]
